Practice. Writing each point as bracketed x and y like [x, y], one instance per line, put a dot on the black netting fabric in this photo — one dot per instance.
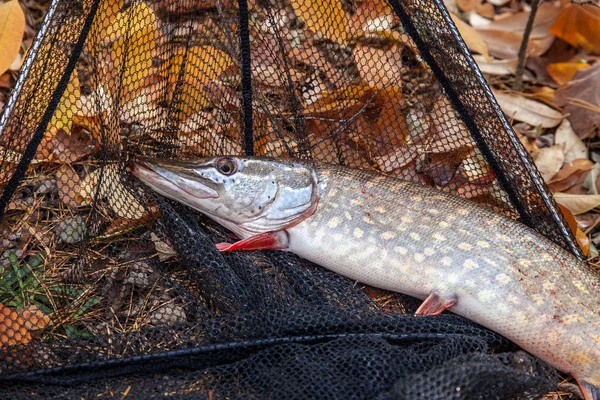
[110, 291]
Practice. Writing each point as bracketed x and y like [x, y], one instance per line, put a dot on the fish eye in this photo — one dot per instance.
[226, 166]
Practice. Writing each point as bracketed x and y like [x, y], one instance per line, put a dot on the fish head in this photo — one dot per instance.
[247, 195]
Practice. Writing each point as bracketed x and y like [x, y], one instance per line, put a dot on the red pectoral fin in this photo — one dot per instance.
[590, 392]
[434, 305]
[263, 241]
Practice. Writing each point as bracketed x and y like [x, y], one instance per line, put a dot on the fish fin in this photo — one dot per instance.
[589, 391]
[262, 241]
[434, 305]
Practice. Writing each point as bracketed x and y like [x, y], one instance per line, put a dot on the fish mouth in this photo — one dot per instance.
[173, 182]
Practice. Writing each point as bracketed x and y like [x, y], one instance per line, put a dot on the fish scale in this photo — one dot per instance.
[413, 239]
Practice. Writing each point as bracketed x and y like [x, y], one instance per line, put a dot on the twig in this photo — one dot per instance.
[517, 85]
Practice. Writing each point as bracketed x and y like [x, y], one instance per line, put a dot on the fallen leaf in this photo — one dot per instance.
[12, 26]
[131, 39]
[68, 183]
[475, 168]
[34, 318]
[591, 179]
[164, 250]
[325, 18]
[468, 5]
[571, 174]
[97, 102]
[13, 329]
[562, 73]
[548, 161]
[581, 99]
[448, 131]
[201, 65]
[496, 67]
[573, 145]
[310, 55]
[583, 241]
[62, 119]
[504, 35]
[529, 111]
[578, 203]
[486, 10]
[379, 68]
[67, 148]
[578, 26]
[107, 184]
[471, 37]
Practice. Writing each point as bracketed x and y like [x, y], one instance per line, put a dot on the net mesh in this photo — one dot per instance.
[108, 290]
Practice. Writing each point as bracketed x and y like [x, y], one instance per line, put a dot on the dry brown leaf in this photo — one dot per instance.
[471, 37]
[448, 131]
[370, 15]
[272, 145]
[68, 183]
[578, 203]
[97, 102]
[486, 10]
[581, 99]
[346, 101]
[379, 68]
[164, 250]
[549, 160]
[516, 22]
[573, 145]
[12, 26]
[496, 67]
[505, 45]
[397, 159]
[578, 26]
[308, 54]
[529, 111]
[564, 72]
[106, 182]
[583, 241]
[571, 174]
[13, 328]
[34, 318]
[474, 168]
[468, 5]
[326, 19]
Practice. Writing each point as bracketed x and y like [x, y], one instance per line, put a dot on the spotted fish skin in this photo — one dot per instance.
[406, 238]
[503, 275]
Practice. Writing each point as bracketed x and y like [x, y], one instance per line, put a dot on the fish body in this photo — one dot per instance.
[408, 238]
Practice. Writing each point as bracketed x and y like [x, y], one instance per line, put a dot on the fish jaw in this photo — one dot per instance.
[173, 186]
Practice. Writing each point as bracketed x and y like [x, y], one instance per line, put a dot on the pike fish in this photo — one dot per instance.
[404, 237]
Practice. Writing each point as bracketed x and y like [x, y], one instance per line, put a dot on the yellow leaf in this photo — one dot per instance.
[325, 18]
[579, 25]
[471, 37]
[67, 107]
[108, 11]
[138, 18]
[202, 64]
[12, 26]
[133, 35]
[564, 72]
